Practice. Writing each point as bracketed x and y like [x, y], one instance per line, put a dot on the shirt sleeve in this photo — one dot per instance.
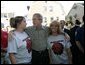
[12, 46]
[48, 44]
[68, 44]
[28, 30]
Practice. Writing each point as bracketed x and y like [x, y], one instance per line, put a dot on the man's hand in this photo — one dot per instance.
[80, 46]
[67, 37]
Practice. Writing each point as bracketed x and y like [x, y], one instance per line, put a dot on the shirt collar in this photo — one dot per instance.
[42, 27]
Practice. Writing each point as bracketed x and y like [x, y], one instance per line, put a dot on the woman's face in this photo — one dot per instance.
[37, 21]
[23, 24]
[54, 27]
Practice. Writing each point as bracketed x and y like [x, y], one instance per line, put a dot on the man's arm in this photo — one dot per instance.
[12, 58]
[69, 55]
[11, 50]
[28, 30]
[79, 46]
[77, 39]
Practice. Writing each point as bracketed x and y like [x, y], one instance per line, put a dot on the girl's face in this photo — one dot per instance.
[54, 27]
[23, 24]
[36, 21]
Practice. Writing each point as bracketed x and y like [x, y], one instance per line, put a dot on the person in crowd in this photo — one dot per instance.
[79, 37]
[38, 34]
[62, 22]
[74, 48]
[4, 45]
[19, 48]
[59, 47]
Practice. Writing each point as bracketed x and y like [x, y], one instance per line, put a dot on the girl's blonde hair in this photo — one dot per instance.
[57, 24]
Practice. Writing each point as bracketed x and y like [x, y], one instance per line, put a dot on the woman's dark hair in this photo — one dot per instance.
[15, 21]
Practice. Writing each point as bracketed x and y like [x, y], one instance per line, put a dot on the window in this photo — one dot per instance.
[2, 15]
[51, 19]
[45, 8]
[5, 15]
[50, 8]
[75, 16]
[28, 7]
[10, 15]
[83, 4]
[45, 1]
[75, 7]
[45, 19]
[57, 18]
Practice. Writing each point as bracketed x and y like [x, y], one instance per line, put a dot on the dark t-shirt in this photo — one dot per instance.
[74, 48]
[67, 31]
[80, 35]
[72, 34]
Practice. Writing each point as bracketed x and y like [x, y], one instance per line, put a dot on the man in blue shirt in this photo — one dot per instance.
[79, 37]
[74, 48]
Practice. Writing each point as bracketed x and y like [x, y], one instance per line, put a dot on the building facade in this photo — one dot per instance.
[76, 12]
[50, 10]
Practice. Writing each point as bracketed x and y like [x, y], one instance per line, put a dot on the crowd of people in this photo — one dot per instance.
[40, 44]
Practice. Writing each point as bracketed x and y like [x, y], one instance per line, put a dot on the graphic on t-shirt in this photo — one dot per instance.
[29, 44]
[57, 47]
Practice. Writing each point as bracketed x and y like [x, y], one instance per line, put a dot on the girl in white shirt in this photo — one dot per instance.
[59, 47]
[19, 48]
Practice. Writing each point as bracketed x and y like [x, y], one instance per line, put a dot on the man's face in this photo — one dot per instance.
[36, 20]
[62, 24]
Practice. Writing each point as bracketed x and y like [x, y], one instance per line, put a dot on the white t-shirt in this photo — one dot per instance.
[18, 47]
[58, 59]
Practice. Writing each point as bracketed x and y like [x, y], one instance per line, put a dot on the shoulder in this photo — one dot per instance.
[66, 30]
[72, 28]
[44, 27]
[78, 29]
[28, 27]
[50, 38]
[4, 34]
